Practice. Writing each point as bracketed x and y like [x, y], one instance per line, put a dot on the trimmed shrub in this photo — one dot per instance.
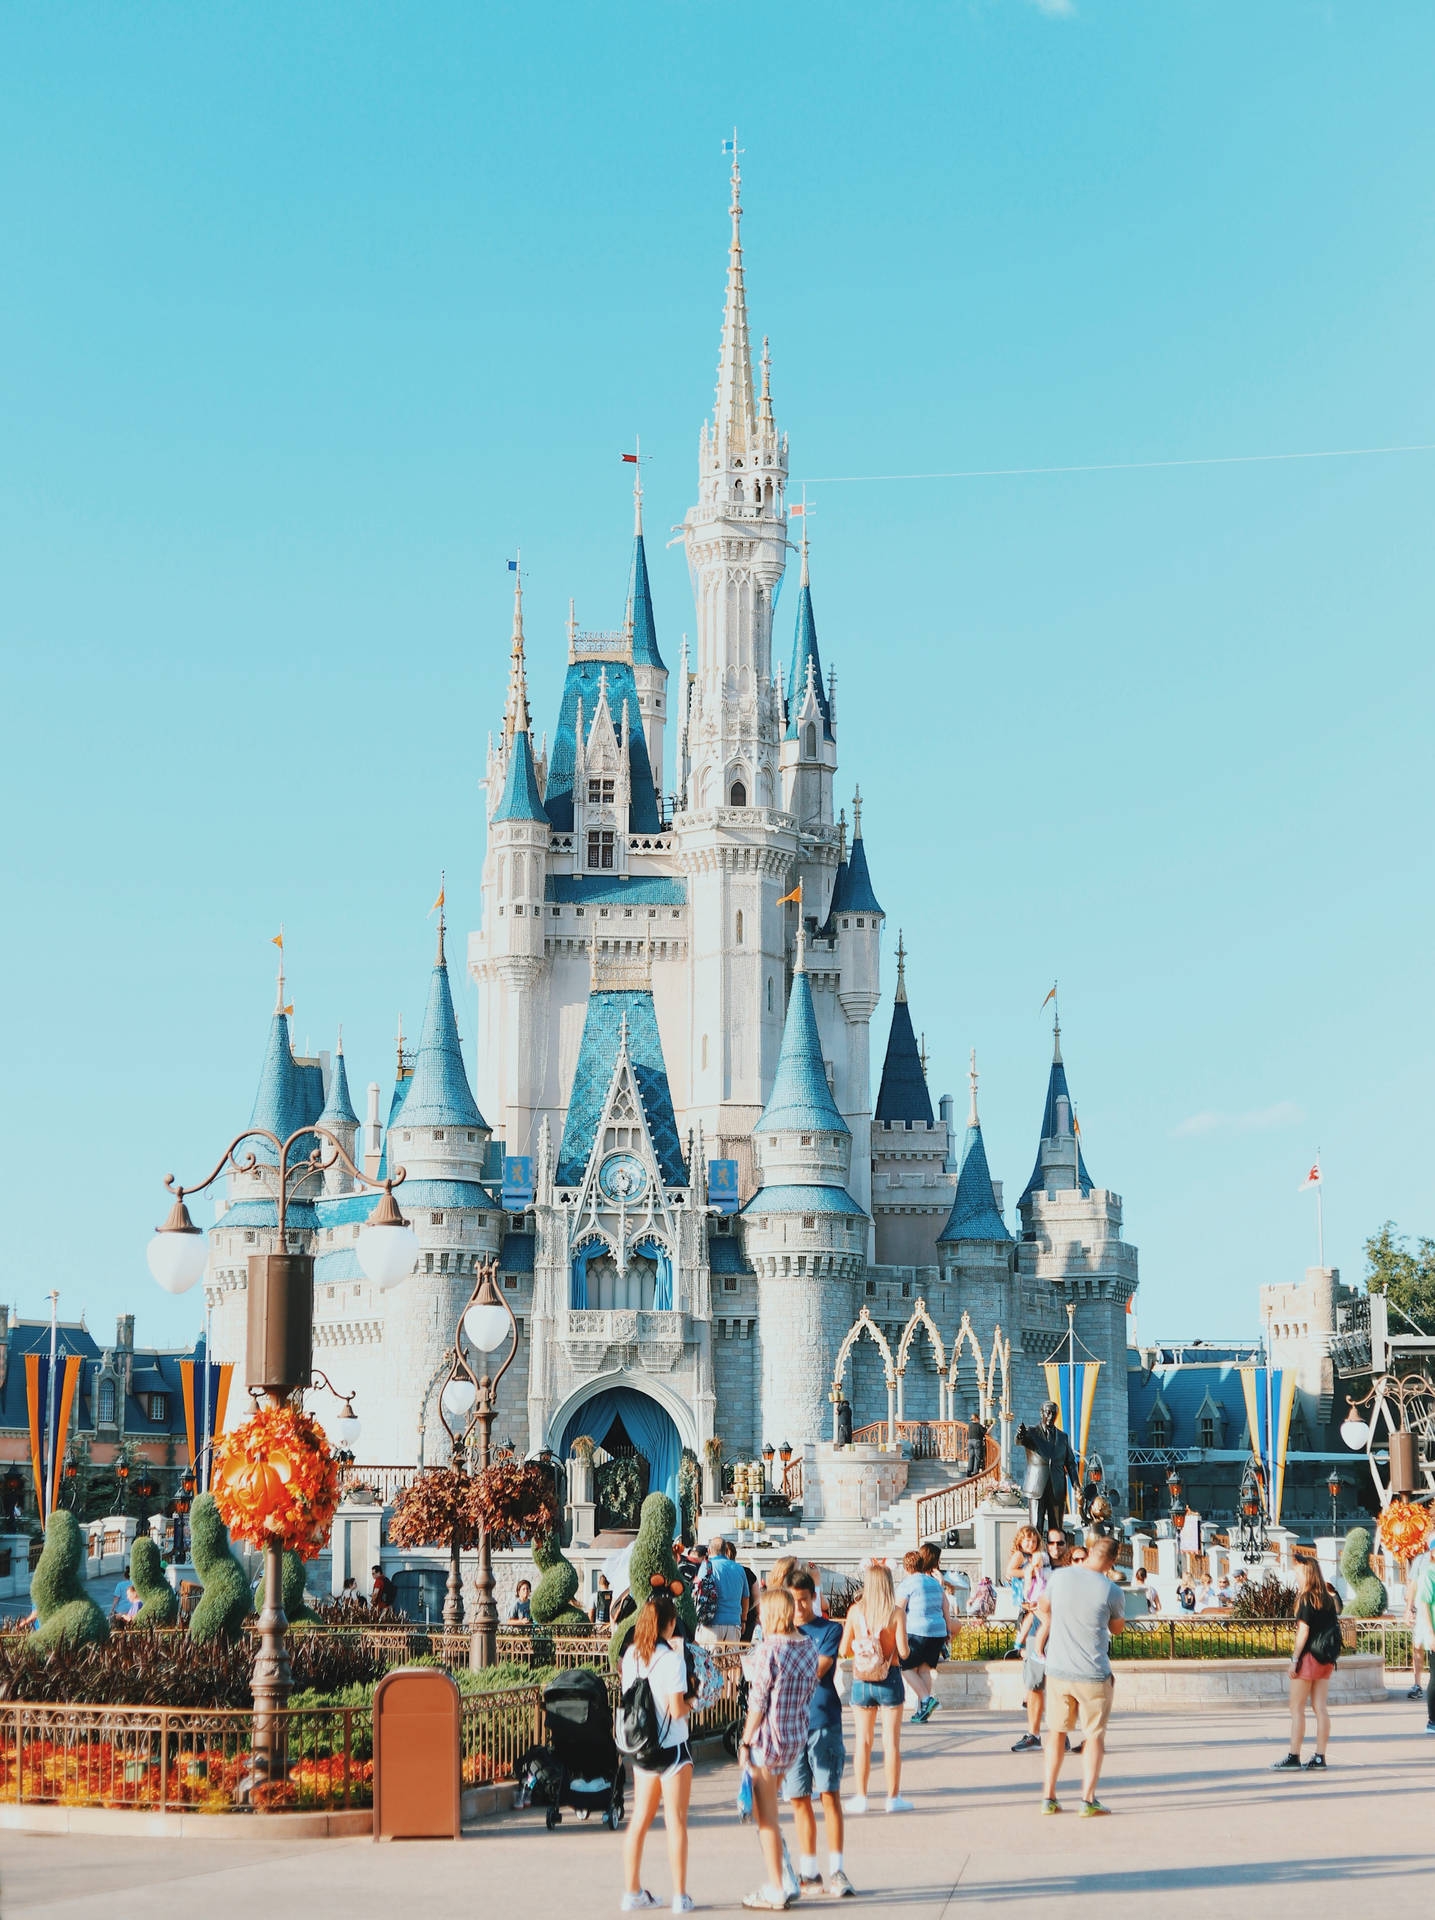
[68, 1616]
[1367, 1595]
[1268, 1599]
[688, 1483]
[226, 1602]
[161, 1602]
[652, 1554]
[552, 1602]
[296, 1610]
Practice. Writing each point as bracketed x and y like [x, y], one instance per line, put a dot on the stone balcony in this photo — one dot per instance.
[598, 1339]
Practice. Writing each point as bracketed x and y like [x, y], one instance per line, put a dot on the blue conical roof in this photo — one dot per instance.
[801, 1100]
[974, 1214]
[804, 651]
[438, 1091]
[640, 600]
[520, 799]
[852, 892]
[339, 1108]
[1056, 1089]
[611, 1014]
[903, 1093]
[284, 1100]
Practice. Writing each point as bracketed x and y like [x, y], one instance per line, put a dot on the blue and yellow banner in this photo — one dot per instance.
[1270, 1400]
[221, 1372]
[1072, 1385]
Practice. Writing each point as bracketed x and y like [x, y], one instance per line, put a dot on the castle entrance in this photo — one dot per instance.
[645, 1448]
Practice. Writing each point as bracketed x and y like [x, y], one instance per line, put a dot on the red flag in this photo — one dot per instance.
[631, 458]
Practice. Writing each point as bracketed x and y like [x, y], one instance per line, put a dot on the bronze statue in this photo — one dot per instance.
[1050, 1468]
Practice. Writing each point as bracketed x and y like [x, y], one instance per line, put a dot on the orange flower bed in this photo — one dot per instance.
[276, 1480]
[97, 1773]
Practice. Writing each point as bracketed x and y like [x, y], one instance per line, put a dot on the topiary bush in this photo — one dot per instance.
[161, 1602]
[688, 1483]
[68, 1616]
[297, 1610]
[652, 1554]
[552, 1603]
[1367, 1595]
[226, 1602]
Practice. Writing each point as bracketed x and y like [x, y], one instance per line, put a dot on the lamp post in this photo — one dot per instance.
[1332, 1487]
[487, 1323]
[279, 1349]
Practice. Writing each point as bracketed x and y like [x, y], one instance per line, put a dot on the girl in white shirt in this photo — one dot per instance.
[657, 1654]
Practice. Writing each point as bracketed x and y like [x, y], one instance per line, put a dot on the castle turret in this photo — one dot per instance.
[441, 1133]
[809, 748]
[911, 1189]
[855, 922]
[650, 676]
[339, 1119]
[805, 1234]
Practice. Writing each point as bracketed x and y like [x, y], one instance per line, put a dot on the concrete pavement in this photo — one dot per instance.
[1198, 1823]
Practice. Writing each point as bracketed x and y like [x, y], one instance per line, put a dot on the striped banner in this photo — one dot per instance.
[220, 1375]
[1270, 1400]
[49, 1404]
[1072, 1385]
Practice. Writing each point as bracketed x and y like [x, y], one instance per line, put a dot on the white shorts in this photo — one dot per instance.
[683, 1758]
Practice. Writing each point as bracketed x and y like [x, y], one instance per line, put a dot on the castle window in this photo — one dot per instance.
[1206, 1431]
[473, 1136]
[600, 849]
[807, 1139]
[739, 927]
[809, 1222]
[812, 742]
[438, 1133]
[705, 1052]
[860, 921]
[435, 1219]
[510, 1283]
[600, 793]
[157, 1407]
[729, 1284]
[738, 796]
[105, 1404]
[769, 993]
[248, 1237]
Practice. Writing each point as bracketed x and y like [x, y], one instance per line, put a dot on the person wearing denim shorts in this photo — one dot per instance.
[818, 1768]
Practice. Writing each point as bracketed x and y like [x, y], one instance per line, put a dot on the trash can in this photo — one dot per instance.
[416, 1755]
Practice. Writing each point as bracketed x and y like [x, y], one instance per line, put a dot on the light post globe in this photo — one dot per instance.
[177, 1254]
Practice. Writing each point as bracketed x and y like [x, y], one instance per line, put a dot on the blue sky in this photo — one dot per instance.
[313, 315]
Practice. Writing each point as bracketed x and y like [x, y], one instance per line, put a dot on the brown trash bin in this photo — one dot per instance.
[416, 1756]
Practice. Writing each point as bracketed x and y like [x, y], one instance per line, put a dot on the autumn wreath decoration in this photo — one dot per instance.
[1404, 1527]
[276, 1482]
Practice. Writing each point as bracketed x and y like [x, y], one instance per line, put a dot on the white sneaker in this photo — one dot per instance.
[857, 1804]
[682, 1903]
[896, 1804]
[636, 1902]
[791, 1885]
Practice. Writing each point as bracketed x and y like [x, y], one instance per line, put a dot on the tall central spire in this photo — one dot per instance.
[735, 412]
[516, 716]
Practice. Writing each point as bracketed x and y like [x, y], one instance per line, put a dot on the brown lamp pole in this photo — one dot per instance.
[279, 1357]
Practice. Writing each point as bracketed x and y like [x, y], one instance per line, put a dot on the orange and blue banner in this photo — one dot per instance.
[220, 1375]
[1072, 1385]
[49, 1399]
[1270, 1401]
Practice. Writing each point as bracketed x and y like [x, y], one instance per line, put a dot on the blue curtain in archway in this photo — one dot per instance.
[649, 1426]
[578, 1294]
[663, 1286]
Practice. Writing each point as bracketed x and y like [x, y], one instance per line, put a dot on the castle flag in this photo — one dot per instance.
[1072, 1385]
[1270, 1400]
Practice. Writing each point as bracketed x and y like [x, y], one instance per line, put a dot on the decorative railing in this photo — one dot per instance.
[384, 1481]
[938, 1513]
[200, 1760]
[792, 1480]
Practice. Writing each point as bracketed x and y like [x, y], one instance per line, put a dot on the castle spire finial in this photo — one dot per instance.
[972, 1120]
[901, 993]
[516, 715]
[278, 941]
[841, 835]
[799, 964]
[399, 1045]
[734, 412]
[857, 813]
[637, 487]
[764, 404]
[438, 908]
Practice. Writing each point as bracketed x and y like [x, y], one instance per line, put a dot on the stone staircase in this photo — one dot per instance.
[844, 1544]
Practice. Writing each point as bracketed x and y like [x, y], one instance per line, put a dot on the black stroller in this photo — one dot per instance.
[580, 1766]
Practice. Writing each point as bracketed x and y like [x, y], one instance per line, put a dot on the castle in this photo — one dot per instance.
[676, 988]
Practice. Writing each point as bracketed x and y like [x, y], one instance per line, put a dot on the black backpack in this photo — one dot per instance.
[637, 1729]
[1323, 1642]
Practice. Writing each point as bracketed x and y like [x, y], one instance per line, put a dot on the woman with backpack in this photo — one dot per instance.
[653, 1732]
[782, 1678]
[1313, 1660]
[875, 1636]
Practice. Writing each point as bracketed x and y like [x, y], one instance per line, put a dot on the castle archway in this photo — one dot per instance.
[653, 1419]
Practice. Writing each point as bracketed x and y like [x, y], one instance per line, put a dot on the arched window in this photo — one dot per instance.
[811, 741]
[738, 796]
[769, 993]
[105, 1404]
[739, 926]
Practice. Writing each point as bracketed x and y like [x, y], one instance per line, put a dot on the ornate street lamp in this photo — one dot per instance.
[487, 1324]
[279, 1345]
[1332, 1487]
[1253, 1512]
[122, 1483]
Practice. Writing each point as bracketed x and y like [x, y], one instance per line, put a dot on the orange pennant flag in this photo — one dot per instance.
[796, 895]
[439, 902]
[278, 940]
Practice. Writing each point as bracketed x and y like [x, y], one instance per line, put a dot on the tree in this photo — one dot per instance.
[1406, 1279]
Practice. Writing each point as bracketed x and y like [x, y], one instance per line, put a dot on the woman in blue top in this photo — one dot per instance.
[926, 1607]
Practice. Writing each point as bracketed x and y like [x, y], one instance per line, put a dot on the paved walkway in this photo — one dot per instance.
[1199, 1828]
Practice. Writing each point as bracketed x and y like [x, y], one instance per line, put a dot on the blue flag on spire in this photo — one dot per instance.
[513, 566]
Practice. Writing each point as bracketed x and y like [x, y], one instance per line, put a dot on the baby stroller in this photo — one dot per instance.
[580, 1767]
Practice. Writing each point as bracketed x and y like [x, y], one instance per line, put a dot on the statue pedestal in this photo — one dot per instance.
[354, 1545]
[582, 1522]
[995, 1525]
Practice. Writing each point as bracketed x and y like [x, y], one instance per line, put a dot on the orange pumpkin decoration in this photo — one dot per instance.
[276, 1482]
[1404, 1528]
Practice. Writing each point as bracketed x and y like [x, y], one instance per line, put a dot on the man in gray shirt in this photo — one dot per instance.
[1079, 1610]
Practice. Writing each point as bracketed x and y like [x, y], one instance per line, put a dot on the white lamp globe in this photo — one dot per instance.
[178, 1252]
[387, 1253]
[345, 1429]
[1354, 1433]
[486, 1324]
[458, 1399]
